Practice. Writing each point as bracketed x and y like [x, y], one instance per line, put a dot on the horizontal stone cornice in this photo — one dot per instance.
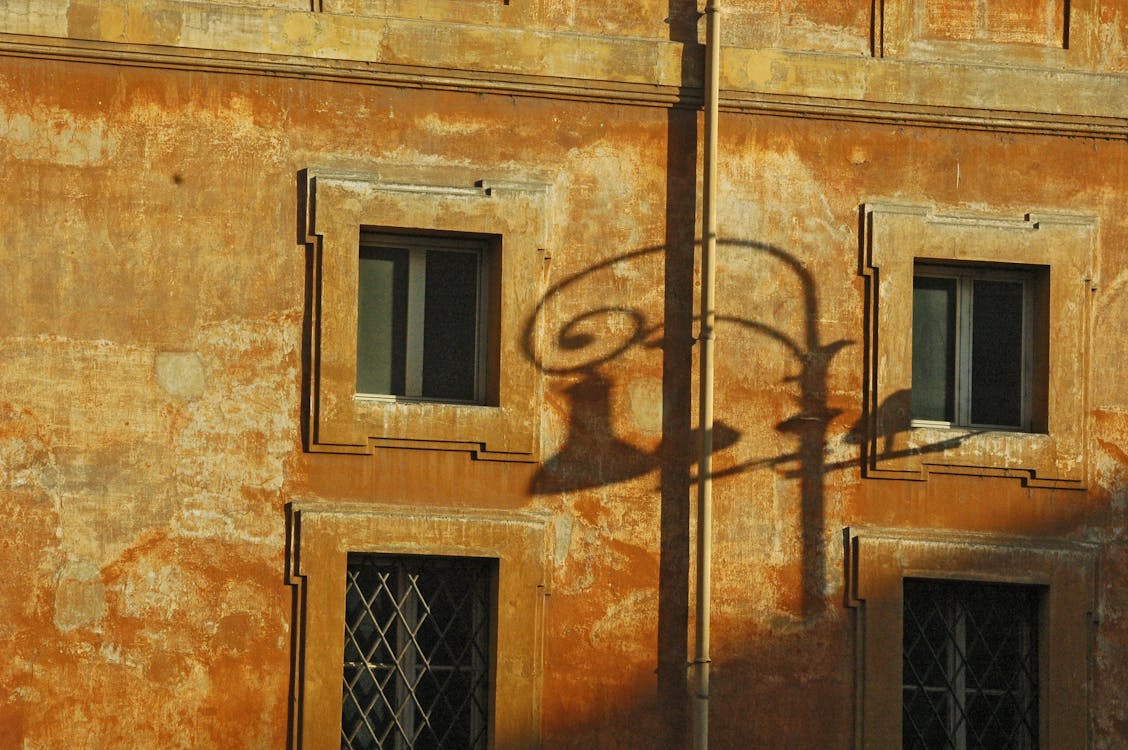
[958, 118]
[606, 69]
[349, 71]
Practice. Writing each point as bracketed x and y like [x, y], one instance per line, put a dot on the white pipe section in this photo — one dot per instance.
[705, 384]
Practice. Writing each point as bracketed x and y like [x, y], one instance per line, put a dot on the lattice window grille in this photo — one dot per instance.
[417, 653]
[970, 666]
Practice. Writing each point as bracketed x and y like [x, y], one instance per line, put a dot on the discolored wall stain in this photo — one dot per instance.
[79, 596]
[181, 374]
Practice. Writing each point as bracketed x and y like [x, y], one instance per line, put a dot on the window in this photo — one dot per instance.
[417, 652]
[421, 316]
[973, 346]
[969, 665]
[984, 640]
[1001, 395]
[417, 628]
[421, 285]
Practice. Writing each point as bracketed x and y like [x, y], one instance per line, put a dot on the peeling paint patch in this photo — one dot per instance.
[79, 596]
[55, 136]
[646, 405]
[564, 523]
[181, 374]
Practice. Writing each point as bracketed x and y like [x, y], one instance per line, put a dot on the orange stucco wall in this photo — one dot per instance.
[152, 371]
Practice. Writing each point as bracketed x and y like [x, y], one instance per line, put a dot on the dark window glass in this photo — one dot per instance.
[450, 328]
[972, 348]
[969, 665]
[417, 653]
[419, 317]
[934, 348]
[996, 360]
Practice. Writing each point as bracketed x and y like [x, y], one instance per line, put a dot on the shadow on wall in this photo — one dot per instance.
[593, 454]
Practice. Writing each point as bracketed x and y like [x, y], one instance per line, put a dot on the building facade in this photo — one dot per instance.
[348, 374]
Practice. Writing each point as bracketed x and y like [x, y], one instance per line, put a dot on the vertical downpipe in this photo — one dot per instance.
[705, 384]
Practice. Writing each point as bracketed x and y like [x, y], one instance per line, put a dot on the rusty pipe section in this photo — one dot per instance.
[706, 337]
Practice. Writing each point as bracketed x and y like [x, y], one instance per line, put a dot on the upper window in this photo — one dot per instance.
[965, 310]
[417, 652]
[969, 665]
[406, 303]
[974, 341]
[422, 316]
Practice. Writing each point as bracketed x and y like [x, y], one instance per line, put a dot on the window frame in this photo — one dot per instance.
[416, 245]
[965, 276]
[1055, 453]
[334, 206]
[320, 537]
[877, 562]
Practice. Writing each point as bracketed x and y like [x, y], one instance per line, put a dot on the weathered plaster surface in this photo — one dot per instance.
[155, 304]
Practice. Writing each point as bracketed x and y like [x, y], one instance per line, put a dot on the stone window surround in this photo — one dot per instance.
[321, 535]
[877, 562]
[335, 205]
[894, 236]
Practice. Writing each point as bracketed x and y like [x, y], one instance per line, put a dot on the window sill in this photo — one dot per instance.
[953, 429]
[379, 398]
[983, 452]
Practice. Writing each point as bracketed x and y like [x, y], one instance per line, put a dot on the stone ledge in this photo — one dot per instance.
[624, 70]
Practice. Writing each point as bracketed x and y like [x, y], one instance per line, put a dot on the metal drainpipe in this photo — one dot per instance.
[705, 384]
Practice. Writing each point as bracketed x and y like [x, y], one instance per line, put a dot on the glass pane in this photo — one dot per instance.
[996, 357]
[934, 348]
[450, 326]
[381, 321]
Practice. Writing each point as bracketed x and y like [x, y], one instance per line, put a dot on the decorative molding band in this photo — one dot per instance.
[347, 71]
[742, 95]
[954, 118]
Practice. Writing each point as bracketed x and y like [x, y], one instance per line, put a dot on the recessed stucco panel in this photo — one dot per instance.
[951, 19]
[842, 26]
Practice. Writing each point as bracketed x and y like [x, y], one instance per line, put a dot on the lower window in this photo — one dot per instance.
[417, 658]
[969, 665]
[984, 641]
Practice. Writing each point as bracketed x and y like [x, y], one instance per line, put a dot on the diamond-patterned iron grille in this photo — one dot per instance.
[969, 666]
[417, 653]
